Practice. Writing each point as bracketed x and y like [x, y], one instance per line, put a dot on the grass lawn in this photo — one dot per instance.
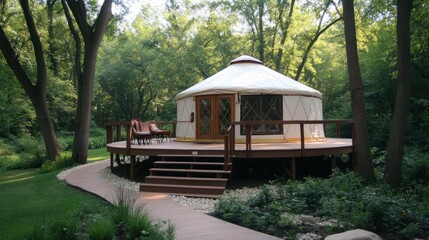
[29, 198]
[98, 154]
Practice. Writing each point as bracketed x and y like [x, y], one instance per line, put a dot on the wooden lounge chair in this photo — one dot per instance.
[160, 134]
[141, 132]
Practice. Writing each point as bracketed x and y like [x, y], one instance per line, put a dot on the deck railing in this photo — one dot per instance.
[230, 137]
[116, 129]
[119, 126]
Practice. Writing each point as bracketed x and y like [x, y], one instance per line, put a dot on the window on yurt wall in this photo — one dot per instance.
[262, 108]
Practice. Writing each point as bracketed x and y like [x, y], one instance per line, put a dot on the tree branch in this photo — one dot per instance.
[13, 61]
[37, 45]
[75, 34]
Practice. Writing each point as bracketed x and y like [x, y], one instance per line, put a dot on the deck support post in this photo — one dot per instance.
[111, 161]
[333, 162]
[293, 168]
[132, 163]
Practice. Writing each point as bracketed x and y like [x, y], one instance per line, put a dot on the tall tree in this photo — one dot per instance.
[52, 48]
[395, 147]
[365, 166]
[253, 12]
[36, 92]
[283, 25]
[92, 35]
[319, 31]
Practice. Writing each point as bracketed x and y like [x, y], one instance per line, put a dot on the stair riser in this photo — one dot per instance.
[216, 168]
[189, 163]
[189, 174]
[185, 181]
[165, 189]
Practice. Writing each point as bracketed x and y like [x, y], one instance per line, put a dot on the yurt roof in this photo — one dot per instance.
[248, 76]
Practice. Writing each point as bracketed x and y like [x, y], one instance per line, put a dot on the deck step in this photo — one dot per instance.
[182, 189]
[191, 155]
[189, 163]
[169, 180]
[175, 170]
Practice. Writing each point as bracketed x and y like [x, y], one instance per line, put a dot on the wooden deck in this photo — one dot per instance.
[183, 168]
[258, 150]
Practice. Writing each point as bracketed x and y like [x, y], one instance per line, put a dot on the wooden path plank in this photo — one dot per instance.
[188, 223]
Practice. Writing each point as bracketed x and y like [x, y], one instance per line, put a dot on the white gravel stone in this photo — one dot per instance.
[308, 236]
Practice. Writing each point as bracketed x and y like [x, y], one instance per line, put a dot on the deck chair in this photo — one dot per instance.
[141, 132]
[160, 134]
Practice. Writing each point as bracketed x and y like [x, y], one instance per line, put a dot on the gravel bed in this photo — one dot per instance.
[61, 176]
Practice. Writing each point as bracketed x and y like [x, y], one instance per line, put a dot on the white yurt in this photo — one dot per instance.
[248, 91]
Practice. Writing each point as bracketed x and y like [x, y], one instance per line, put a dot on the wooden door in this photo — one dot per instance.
[205, 118]
[224, 114]
[214, 116]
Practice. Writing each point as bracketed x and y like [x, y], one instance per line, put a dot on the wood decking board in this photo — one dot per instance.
[259, 150]
[189, 159]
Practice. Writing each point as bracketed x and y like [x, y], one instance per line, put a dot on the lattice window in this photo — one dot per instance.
[262, 108]
[224, 115]
[205, 116]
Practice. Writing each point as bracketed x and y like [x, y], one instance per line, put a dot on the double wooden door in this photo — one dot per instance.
[214, 115]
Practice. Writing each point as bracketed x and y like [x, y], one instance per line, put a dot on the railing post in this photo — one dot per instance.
[232, 139]
[248, 140]
[174, 130]
[301, 129]
[226, 153]
[337, 130]
[109, 134]
[129, 129]
[118, 133]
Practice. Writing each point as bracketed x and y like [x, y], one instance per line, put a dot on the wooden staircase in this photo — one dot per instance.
[191, 176]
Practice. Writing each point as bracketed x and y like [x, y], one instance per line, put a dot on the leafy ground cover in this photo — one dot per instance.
[29, 151]
[394, 214]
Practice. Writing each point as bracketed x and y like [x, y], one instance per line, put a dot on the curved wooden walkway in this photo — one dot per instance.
[188, 223]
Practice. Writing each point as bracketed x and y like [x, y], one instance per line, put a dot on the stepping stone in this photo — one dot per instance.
[357, 234]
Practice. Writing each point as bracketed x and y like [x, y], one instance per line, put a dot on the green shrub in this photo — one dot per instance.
[235, 211]
[416, 166]
[27, 152]
[121, 221]
[62, 162]
[97, 139]
[61, 229]
[133, 222]
[23, 161]
[65, 142]
[97, 142]
[343, 197]
[101, 229]
[6, 154]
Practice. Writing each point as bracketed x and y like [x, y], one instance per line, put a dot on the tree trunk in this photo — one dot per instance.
[46, 128]
[285, 30]
[83, 111]
[395, 147]
[92, 36]
[365, 167]
[52, 48]
[37, 92]
[261, 47]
